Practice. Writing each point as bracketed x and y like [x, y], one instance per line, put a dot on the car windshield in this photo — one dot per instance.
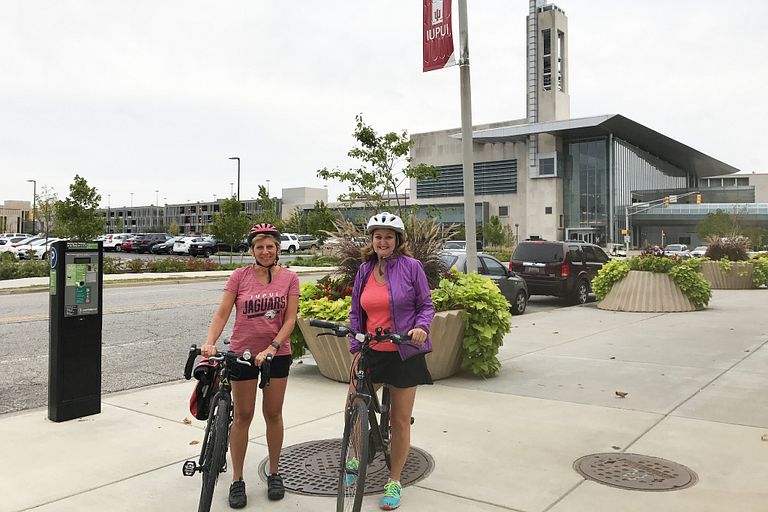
[449, 260]
[539, 252]
[674, 247]
[454, 245]
[702, 248]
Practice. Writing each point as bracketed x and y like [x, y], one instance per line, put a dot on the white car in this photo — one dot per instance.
[679, 250]
[35, 250]
[699, 252]
[114, 241]
[182, 246]
[289, 243]
[11, 247]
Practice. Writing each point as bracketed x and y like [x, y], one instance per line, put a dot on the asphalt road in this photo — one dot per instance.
[146, 333]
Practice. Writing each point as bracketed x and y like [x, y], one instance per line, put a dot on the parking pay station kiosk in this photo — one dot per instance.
[74, 368]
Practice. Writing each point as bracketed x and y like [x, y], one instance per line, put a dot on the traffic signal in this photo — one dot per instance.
[698, 198]
[666, 201]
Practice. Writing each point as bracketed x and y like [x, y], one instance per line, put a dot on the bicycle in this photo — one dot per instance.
[213, 453]
[362, 439]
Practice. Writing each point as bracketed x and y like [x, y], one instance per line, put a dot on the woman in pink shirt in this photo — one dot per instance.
[267, 298]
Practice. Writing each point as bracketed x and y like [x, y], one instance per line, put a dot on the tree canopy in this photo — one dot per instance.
[718, 223]
[231, 224]
[76, 216]
[384, 165]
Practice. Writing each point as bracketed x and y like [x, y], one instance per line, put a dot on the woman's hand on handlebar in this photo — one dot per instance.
[262, 356]
[418, 335]
[208, 350]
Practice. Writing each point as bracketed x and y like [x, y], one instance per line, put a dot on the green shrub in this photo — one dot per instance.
[611, 273]
[21, 269]
[315, 301]
[114, 265]
[487, 318]
[760, 270]
[733, 248]
[314, 261]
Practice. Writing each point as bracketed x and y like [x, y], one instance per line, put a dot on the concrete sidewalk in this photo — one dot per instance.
[695, 387]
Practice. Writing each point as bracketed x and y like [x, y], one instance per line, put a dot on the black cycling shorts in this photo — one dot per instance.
[278, 369]
[388, 368]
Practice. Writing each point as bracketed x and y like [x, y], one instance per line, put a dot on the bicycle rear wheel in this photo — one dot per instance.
[354, 459]
[215, 452]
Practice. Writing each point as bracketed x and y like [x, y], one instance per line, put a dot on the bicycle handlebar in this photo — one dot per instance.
[340, 331]
[194, 351]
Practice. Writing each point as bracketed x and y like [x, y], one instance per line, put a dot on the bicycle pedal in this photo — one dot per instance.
[189, 468]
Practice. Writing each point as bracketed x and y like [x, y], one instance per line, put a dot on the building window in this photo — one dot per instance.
[503, 211]
[742, 182]
[561, 220]
[548, 210]
[547, 166]
[560, 63]
[547, 58]
[498, 177]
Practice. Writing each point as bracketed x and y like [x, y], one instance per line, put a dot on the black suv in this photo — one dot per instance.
[143, 242]
[562, 269]
[204, 246]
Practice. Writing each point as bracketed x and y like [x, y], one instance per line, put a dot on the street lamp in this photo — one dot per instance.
[238, 174]
[517, 239]
[34, 205]
[267, 188]
[131, 199]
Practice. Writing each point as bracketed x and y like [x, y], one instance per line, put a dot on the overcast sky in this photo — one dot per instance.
[145, 95]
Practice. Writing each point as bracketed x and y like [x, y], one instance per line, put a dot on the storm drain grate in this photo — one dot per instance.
[635, 472]
[313, 468]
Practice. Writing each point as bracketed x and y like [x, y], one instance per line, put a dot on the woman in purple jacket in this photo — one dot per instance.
[391, 291]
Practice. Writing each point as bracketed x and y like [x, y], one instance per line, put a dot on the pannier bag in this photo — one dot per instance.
[205, 388]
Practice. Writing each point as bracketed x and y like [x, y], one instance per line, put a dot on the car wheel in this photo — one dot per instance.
[314, 247]
[207, 253]
[581, 293]
[291, 250]
[521, 301]
[118, 248]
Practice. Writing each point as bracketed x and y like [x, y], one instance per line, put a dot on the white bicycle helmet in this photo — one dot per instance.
[386, 220]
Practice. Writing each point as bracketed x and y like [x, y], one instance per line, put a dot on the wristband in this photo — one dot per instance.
[276, 345]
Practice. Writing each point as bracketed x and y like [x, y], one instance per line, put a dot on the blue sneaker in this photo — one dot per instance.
[391, 498]
[350, 475]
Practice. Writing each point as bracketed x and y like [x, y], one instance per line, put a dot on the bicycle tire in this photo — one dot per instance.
[384, 427]
[215, 453]
[349, 497]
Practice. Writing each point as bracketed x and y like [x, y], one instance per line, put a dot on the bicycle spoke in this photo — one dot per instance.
[354, 459]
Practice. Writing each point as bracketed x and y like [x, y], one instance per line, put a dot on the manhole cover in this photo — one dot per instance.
[313, 468]
[634, 471]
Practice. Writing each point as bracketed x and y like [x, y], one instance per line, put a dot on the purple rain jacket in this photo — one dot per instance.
[409, 300]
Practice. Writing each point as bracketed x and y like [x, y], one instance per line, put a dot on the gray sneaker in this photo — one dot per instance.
[237, 497]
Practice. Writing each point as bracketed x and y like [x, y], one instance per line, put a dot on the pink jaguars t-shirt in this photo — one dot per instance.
[260, 308]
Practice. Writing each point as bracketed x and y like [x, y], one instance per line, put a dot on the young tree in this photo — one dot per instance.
[46, 208]
[173, 229]
[267, 211]
[76, 216]
[493, 232]
[384, 166]
[231, 224]
[321, 220]
[296, 221]
[719, 223]
[119, 225]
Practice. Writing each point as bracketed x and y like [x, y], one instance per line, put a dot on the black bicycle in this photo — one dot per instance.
[365, 435]
[213, 453]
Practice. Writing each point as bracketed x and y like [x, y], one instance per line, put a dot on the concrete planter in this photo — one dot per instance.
[646, 292]
[739, 277]
[334, 360]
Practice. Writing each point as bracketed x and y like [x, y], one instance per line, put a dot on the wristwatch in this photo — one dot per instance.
[276, 345]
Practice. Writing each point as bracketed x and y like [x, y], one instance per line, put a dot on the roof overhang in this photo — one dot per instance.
[655, 143]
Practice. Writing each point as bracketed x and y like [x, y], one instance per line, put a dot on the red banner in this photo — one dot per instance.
[438, 36]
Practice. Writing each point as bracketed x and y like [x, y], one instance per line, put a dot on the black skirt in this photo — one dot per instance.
[388, 368]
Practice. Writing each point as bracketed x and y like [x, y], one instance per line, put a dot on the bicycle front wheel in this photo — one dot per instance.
[354, 459]
[215, 453]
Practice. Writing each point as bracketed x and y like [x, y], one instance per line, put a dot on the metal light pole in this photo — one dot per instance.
[231, 189]
[34, 206]
[466, 140]
[238, 174]
[131, 199]
[267, 188]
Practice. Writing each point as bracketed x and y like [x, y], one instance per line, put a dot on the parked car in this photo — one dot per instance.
[204, 246]
[460, 245]
[678, 250]
[512, 286]
[562, 269]
[34, 250]
[15, 235]
[308, 242]
[12, 239]
[143, 242]
[289, 243]
[699, 251]
[114, 241]
[165, 247]
[11, 247]
[182, 246]
[331, 244]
